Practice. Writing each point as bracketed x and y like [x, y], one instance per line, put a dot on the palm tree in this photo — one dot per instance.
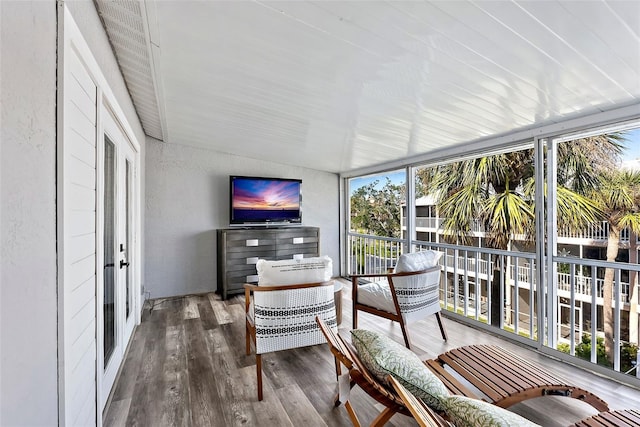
[499, 192]
[618, 196]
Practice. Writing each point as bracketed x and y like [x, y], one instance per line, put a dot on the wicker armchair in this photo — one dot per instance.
[281, 309]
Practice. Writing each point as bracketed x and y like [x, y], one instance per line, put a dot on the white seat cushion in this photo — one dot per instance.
[378, 295]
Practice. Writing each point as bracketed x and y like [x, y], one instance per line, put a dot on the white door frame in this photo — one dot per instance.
[109, 125]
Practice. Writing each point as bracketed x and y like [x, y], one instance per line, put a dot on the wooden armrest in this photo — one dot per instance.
[359, 276]
[436, 267]
[248, 288]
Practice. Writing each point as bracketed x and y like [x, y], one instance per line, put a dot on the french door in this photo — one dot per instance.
[116, 246]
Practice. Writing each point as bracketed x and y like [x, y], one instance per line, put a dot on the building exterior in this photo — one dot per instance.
[588, 244]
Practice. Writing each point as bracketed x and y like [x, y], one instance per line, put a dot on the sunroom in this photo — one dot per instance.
[410, 125]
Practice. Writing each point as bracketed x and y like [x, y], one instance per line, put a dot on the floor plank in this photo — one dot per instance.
[219, 309]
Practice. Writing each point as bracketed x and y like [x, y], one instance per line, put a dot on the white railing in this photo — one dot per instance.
[594, 232]
[583, 286]
[372, 254]
[598, 231]
[577, 287]
[469, 265]
[498, 288]
[428, 222]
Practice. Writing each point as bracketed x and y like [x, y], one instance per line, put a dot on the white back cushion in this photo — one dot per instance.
[417, 261]
[294, 271]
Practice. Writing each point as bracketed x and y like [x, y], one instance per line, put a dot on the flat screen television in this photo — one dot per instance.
[265, 201]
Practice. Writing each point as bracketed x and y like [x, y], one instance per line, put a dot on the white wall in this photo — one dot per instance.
[28, 316]
[187, 199]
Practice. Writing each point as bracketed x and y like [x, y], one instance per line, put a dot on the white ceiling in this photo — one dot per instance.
[344, 85]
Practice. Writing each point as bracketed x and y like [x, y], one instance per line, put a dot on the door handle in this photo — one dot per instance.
[123, 264]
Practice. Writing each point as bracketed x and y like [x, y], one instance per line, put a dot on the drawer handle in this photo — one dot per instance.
[252, 278]
[252, 242]
[298, 240]
[252, 260]
[298, 256]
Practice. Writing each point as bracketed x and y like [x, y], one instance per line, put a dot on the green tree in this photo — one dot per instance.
[377, 211]
[618, 196]
[498, 191]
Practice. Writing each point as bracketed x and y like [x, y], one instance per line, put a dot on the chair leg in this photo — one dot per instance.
[405, 333]
[354, 316]
[383, 417]
[259, 374]
[442, 330]
[352, 414]
[248, 338]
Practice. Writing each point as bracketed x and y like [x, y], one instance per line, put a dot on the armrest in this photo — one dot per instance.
[355, 277]
[359, 276]
[436, 267]
[248, 288]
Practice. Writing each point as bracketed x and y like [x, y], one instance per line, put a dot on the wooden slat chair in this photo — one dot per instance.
[623, 418]
[409, 294]
[506, 379]
[345, 354]
[500, 377]
[427, 417]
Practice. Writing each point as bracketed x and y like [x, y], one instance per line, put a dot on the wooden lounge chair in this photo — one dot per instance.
[504, 378]
[624, 418]
[501, 377]
[427, 417]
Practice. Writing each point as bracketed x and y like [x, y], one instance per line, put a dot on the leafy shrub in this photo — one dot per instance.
[628, 352]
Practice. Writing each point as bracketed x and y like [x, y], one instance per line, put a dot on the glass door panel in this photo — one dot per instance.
[109, 291]
[127, 238]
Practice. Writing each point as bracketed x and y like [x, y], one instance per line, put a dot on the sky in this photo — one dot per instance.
[633, 145]
[631, 153]
[396, 178]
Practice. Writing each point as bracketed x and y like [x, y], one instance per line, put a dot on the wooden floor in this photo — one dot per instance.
[186, 366]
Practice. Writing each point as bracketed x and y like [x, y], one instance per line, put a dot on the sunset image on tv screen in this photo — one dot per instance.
[273, 200]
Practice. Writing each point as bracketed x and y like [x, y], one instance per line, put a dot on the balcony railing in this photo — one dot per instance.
[583, 287]
[595, 232]
[599, 231]
[476, 278]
